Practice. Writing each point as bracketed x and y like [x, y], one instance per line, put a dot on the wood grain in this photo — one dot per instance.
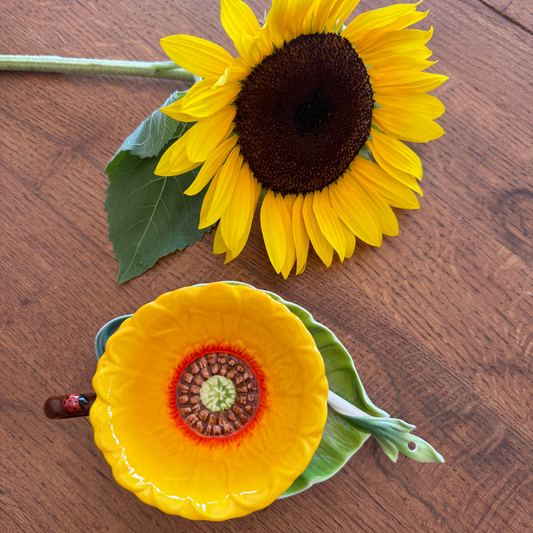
[438, 320]
[516, 12]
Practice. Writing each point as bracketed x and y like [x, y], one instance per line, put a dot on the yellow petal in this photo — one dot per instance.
[300, 23]
[224, 188]
[355, 212]
[273, 231]
[278, 20]
[380, 208]
[237, 18]
[400, 83]
[285, 208]
[373, 177]
[402, 22]
[321, 245]
[212, 165]
[237, 71]
[232, 254]
[375, 19]
[175, 161]
[393, 43]
[329, 223]
[404, 63]
[201, 57]
[219, 246]
[250, 48]
[340, 12]
[237, 219]
[202, 100]
[422, 104]
[208, 200]
[406, 20]
[174, 111]
[407, 125]
[301, 238]
[350, 240]
[396, 153]
[403, 177]
[208, 132]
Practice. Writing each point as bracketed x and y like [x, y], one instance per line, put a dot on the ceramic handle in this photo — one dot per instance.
[69, 405]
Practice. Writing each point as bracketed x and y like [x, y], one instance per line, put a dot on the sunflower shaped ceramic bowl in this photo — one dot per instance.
[213, 401]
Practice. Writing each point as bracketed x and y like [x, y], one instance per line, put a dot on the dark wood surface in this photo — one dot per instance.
[438, 320]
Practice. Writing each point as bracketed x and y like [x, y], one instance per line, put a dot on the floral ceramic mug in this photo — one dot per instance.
[213, 401]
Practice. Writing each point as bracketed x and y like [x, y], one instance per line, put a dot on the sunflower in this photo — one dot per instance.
[314, 113]
[211, 401]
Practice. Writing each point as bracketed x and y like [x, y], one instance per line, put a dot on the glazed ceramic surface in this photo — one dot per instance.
[341, 438]
[178, 463]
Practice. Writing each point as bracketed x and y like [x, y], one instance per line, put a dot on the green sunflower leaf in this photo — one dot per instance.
[150, 137]
[149, 216]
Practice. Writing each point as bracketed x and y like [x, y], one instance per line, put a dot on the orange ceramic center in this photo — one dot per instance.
[217, 395]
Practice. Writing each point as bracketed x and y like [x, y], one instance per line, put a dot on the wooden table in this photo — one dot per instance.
[438, 320]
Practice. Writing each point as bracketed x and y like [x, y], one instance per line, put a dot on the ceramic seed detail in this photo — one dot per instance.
[217, 395]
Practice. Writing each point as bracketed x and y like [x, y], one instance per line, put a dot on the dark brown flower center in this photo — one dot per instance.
[217, 395]
[304, 113]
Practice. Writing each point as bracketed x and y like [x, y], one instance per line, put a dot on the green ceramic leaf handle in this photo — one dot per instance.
[392, 434]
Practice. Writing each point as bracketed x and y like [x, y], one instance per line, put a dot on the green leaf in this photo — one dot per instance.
[150, 137]
[149, 216]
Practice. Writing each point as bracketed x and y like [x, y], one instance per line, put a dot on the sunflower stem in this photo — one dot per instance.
[167, 70]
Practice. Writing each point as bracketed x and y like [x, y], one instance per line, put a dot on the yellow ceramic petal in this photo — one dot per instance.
[301, 238]
[143, 435]
[328, 222]
[208, 132]
[273, 231]
[202, 100]
[212, 165]
[354, 211]
[201, 57]
[321, 245]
